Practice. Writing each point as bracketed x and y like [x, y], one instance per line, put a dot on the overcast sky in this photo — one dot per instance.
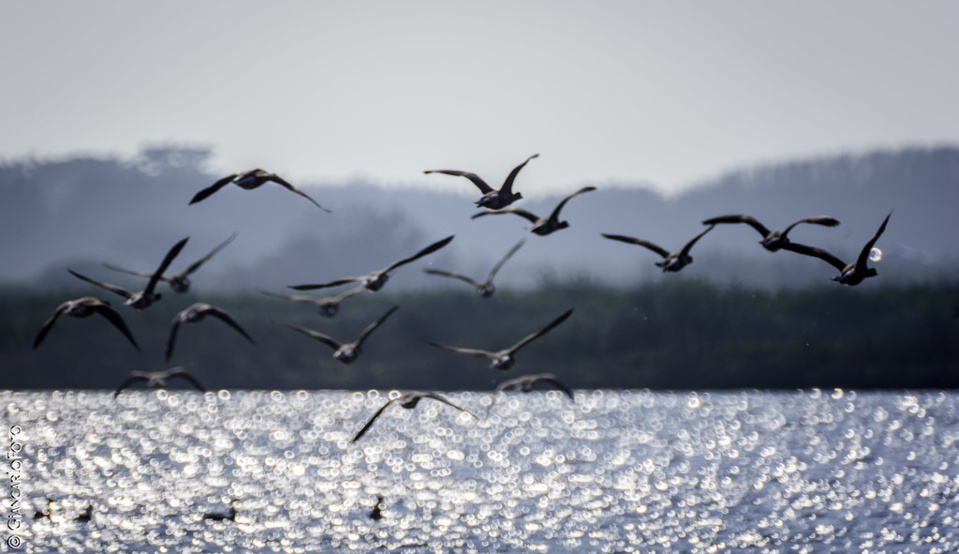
[667, 93]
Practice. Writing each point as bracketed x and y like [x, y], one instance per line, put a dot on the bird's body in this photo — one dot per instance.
[375, 280]
[850, 274]
[407, 401]
[229, 515]
[82, 308]
[86, 515]
[346, 352]
[250, 180]
[772, 240]
[376, 513]
[541, 226]
[145, 298]
[504, 359]
[484, 288]
[672, 261]
[158, 379]
[492, 199]
[328, 306]
[179, 282]
[196, 313]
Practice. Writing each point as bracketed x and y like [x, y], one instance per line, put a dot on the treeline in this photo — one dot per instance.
[682, 334]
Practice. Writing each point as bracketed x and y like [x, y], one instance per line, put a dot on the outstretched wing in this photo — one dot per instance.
[468, 351]
[212, 188]
[815, 219]
[196, 265]
[529, 338]
[49, 324]
[369, 328]
[480, 184]
[113, 317]
[689, 245]
[451, 274]
[325, 339]
[279, 180]
[447, 402]
[112, 288]
[816, 253]
[226, 318]
[177, 372]
[508, 183]
[129, 271]
[508, 255]
[428, 250]
[640, 242]
[533, 218]
[167, 260]
[338, 282]
[129, 381]
[864, 254]
[559, 207]
[172, 338]
[369, 423]
[747, 219]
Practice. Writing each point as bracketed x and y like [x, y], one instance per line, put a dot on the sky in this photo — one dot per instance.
[662, 94]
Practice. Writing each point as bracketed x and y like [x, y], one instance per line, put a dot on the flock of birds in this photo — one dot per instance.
[493, 202]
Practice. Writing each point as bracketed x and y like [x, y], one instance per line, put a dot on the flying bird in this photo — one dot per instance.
[527, 382]
[484, 288]
[250, 180]
[408, 401]
[849, 274]
[328, 306]
[146, 297]
[196, 313]
[158, 379]
[82, 308]
[345, 352]
[541, 225]
[179, 282]
[504, 359]
[491, 199]
[772, 240]
[375, 280]
[672, 261]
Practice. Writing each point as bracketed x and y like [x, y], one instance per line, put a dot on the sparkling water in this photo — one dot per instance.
[614, 471]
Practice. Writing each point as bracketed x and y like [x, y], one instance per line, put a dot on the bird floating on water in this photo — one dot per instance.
[375, 280]
[849, 274]
[158, 379]
[408, 401]
[146, 297]
[772, 240]
[86, 515]
[504, 359]
[229, 515]
[179, 282]
[345, 352]
[491, 199]
[540, 225]
[328, 306]
[376, 513]
[484, 288]
[82, 308]
[250, 180]
[672, 261]
[196, 313]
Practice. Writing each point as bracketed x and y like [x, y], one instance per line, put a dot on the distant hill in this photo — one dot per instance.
[81, 212]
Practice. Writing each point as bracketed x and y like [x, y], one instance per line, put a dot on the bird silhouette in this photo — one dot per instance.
[484, 288]
[376, 513]
[408, 401]
[250, 180]
[145, 298]
[772, 240]
[541, 226]
[82, 308]
[196, 313]
[850, 274]
[229, 515]
[179, 282]
[504, 359]
[491, 199]
[86, 515]
[527, 382]
[158, 379]
[376, 279]
[672, 261]
[328, 306]
[346, 352]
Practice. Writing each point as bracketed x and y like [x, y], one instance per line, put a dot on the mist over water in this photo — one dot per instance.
[630, 470]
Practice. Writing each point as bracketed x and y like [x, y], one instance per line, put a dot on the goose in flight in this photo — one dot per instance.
[196, 313]
[375, 280]
[527, 382]
[345, 352]
[541, 226]
[250, 180]
[849, 274]
[672, 261]
[772, 240]
[328, 306]
[504, 359]
[82, 308]
[484, 288]
[179, 282]
[491, 199]
[408, 401]
[146, 297]
[158, 379]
